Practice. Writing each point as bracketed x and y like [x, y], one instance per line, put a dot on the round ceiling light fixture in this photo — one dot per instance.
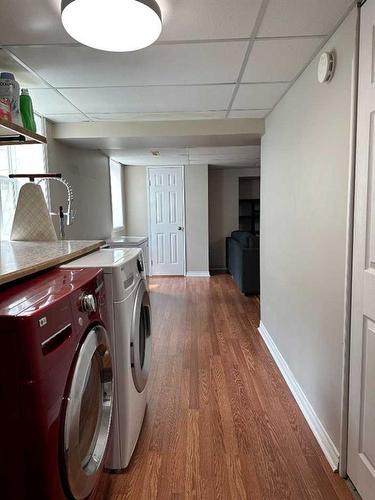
[112, 25]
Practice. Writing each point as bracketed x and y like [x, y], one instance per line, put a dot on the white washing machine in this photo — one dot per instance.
[133, 242]
[130, 336]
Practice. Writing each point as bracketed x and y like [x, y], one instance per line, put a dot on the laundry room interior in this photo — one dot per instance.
[186, 249]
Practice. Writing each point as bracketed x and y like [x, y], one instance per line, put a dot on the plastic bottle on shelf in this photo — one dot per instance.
[27, 110]
[10, 89]
[5, 113]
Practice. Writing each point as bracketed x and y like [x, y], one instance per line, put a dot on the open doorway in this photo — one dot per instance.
[234, 225]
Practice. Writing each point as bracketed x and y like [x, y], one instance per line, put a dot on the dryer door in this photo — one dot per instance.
[88, 413]
[140, 342]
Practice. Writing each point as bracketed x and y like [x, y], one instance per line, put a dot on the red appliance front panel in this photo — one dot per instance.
[41, 328]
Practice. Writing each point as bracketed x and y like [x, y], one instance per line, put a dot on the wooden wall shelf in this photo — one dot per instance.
[12, 134]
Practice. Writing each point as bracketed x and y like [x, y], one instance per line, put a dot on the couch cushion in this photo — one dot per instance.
[242, 237]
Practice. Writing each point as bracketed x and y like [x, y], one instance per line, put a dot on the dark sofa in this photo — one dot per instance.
[242, 255]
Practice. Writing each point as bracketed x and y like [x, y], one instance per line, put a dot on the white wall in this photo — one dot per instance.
[223, 196]
[135, 192]
[304, 222]
[196, 218]
[88, 173]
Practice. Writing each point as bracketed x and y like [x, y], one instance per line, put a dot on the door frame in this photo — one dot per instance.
[345, 382]
[148, 183]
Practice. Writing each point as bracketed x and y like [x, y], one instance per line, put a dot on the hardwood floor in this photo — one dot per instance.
[221, 422]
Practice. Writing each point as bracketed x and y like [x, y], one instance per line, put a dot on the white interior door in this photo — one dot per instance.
[167, 235]
[361, 438]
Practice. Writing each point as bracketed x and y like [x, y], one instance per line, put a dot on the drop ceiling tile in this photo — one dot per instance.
[157, 65]
[31, 22]
[225, 155]
[208, 115]
[153, 99]
[280, 60]
[50, 102]
[67, 118]
[259, 96]
[302, 17]
[248, 113]
[136, 156]
[23, 76]
[208, 19]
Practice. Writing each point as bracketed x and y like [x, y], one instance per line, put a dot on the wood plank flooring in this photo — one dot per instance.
[221, 422]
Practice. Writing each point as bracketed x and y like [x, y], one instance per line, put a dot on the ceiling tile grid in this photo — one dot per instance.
[67, 118]
[248, 113]
[258, 95]
[224, 156]
[302, 17]
[150, 99]
[50, 102]
[208, 19]
[215, 58]
[279, 60]
[172, 116]
[184, 64]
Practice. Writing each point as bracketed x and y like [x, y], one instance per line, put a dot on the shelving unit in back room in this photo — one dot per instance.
[249, 215]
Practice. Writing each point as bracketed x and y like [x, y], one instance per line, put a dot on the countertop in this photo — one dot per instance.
[19, 259]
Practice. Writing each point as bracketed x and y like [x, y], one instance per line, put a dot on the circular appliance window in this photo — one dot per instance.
[88, 413]
[140, 344]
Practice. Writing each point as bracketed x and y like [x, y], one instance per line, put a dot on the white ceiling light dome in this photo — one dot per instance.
[112, 25]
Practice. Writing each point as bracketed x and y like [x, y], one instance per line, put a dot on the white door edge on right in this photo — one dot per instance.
[361, 432]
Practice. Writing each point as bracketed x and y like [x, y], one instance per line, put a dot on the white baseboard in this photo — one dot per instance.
[197, 274]
[325, 442]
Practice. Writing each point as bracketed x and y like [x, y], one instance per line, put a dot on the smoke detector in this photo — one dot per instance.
[326, 67]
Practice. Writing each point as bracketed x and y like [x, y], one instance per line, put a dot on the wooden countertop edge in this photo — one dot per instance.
[47, 264]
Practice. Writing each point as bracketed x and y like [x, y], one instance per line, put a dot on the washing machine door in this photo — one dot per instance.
[88, 413]
[140, 341]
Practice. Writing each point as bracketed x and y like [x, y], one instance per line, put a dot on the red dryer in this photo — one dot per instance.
[56, 385]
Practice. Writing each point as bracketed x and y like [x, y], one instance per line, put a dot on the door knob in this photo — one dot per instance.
[180, 228]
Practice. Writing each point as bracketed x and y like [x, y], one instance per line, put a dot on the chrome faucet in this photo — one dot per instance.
[70, 214]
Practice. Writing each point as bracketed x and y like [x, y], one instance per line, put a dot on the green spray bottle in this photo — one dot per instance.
[27, 110]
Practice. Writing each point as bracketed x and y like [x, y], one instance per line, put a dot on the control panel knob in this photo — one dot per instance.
[87, 303]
